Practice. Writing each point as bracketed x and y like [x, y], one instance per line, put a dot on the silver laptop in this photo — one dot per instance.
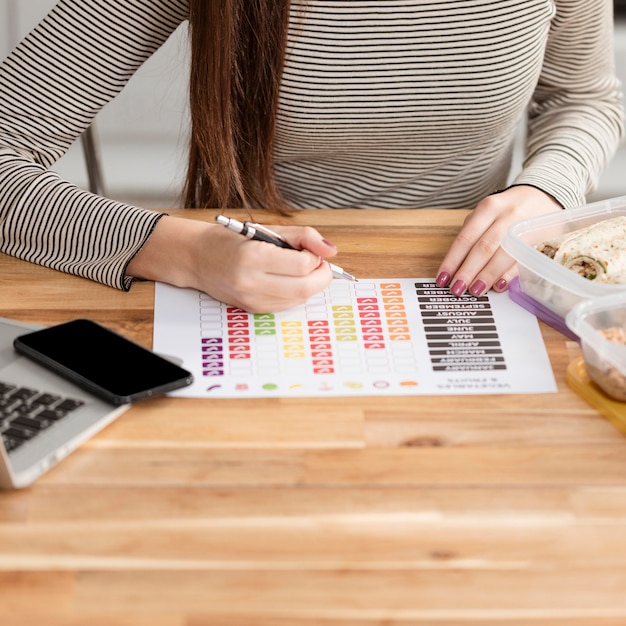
[43, 417]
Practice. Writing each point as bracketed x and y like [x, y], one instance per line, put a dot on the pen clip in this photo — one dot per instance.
[265, 230]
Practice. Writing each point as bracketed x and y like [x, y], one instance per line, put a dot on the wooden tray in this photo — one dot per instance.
[579, 381]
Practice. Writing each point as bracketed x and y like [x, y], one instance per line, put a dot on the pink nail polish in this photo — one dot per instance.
[478, 287]
[443, 279]
[459, 287]
[501, 284]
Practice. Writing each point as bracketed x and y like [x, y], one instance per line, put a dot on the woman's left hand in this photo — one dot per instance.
[475, 261]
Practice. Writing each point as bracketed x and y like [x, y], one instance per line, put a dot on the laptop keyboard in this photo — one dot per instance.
[25, 412]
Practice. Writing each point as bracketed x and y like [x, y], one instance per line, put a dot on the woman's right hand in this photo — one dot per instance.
[252, 275]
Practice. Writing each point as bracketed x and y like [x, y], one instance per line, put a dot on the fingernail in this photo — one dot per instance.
[443, 279]
[459, 287]
[501, 284]
[329, 243]
[478, 287]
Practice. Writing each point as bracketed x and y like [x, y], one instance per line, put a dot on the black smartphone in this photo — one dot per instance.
[102, 361]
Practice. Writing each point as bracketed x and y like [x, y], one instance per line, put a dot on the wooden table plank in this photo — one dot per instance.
[454, 594]
[189, 503]
[363, 542]
[546, 465]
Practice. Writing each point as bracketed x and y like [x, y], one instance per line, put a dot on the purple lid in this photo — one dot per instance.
[539, 310]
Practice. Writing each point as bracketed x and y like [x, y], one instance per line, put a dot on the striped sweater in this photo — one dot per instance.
[384, 103]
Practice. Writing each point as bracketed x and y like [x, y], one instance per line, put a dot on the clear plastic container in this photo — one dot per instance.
[601, 325]
[538, 310]
[543, 279]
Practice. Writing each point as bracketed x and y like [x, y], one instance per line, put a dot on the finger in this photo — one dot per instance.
[476, 223]
[289, 263]
[484, 264]
[497, 273]
[504, 282]
[307, 238]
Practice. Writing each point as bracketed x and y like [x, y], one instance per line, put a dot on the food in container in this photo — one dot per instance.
[549, 283]
[597, 252]
[601, 325]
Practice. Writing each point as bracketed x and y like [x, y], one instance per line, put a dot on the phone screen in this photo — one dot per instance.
[102, 361]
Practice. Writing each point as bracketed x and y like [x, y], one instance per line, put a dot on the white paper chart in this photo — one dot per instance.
[372, 337]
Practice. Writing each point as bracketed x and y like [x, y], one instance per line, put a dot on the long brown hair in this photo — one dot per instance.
[237, 58]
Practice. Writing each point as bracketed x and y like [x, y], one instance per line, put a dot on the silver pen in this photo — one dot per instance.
[251, 230]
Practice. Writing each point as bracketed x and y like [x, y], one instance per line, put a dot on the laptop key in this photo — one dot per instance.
[23, 393]
[11, 443]
[51, 414]
[7, 404]
[25, 409]
[69, 404]
[6, 387]
[20, 432]
[30, 422]
[45, 399]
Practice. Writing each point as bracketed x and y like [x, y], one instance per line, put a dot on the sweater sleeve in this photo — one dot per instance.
[76, 60]
[575, 120]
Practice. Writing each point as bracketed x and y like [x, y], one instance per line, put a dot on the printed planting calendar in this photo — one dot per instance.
[372, 337]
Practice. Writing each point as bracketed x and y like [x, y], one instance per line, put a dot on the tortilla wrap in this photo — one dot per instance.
[596, 253]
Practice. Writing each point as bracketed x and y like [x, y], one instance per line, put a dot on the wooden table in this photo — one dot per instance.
[497, 510]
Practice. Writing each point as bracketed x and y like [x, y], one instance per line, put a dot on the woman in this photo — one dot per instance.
[312, 103]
